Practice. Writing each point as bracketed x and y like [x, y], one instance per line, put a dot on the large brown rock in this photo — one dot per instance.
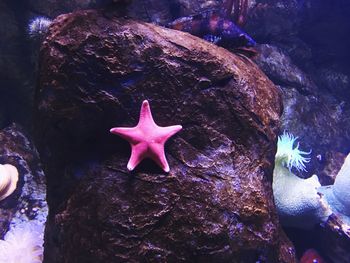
[216, 203]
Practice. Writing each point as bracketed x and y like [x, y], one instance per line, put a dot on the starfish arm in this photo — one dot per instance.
[167, 132]
[146, 118]
[138, 153]
[132, 135]
[147, 139]
[157, 154]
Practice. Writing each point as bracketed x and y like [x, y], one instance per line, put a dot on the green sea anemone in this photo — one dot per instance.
[289, 155]
[297, 201]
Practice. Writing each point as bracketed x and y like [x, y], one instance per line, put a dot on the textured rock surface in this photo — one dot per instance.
[316, 120]
[311, 69]
[273, 21]
[279, 67]
[335, 240]
[216, 202]
[332, 163]
[313, 117]
[28, 202]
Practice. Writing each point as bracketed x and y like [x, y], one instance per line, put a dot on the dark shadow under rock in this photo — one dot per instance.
[216, 203]
[335, 240]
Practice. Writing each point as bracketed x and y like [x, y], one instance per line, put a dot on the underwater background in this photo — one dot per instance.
[235, 74]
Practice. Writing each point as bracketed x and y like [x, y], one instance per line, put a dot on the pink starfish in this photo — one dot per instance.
[147, 139]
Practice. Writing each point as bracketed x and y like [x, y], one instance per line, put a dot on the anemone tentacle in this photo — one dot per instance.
[289, 155]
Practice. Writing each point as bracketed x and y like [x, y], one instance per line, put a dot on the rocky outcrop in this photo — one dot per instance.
[309, 114]
[28, 202]
[216, 203]
[316, 120]
[300, 53]
[335, 240]
[273, 21]
[279, 67]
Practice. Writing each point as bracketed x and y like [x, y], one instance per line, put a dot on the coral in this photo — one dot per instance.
[22, 244]
[297, 201]
[8, 180]
[338, 194]
[38, 27]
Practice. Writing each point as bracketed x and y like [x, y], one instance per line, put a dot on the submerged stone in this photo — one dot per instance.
[215, 205]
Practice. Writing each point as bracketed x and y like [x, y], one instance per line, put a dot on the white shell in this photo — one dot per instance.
[8, 180]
